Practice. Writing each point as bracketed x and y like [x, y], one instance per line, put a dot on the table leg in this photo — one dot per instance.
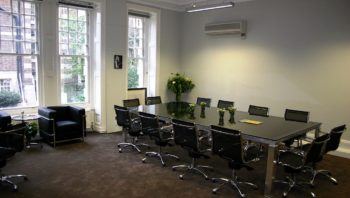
[270, 169]
[317, 132]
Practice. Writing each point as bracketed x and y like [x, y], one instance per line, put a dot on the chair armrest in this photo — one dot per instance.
[77, 113]
[47, 113]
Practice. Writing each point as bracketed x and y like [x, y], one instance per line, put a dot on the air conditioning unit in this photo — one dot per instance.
[230, 27]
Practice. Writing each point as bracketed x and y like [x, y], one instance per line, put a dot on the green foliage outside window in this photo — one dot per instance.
[75, 81]
[9, 98]
[133, 77]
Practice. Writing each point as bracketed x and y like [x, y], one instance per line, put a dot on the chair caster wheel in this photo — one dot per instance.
[119, 150]
[118, 146]
[214, 191]
[213, 180]
[25, 178]
[163, 165]
[144, 161]
[181, 177]
[15, 189]
[206, 178]
[284, 195]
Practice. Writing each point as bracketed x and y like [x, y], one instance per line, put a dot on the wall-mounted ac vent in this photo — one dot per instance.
[231, 27]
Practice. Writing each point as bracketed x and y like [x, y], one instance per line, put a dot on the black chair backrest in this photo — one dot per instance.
[185, 134]
[317, 149]
[153, 100]
[335, 136]
[122, 116]
[150, 124]
[131, 102]
[258, 110]
[225, 104]
[296, 115]
[206, 100]
[227, 143]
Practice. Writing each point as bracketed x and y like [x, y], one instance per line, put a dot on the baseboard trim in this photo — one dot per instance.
[343, 150]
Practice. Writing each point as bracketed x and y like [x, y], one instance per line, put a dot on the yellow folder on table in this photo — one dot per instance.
[250, 121]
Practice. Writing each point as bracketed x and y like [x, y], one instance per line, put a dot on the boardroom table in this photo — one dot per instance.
[270, 131]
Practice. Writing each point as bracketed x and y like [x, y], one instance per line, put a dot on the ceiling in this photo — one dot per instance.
[179, 5]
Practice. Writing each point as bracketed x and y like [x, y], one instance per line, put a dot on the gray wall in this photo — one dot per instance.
[296, 55]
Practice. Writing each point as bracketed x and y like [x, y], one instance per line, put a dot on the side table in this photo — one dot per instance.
[25, 118]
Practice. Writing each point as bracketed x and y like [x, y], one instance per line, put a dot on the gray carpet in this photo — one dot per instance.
[96, 169]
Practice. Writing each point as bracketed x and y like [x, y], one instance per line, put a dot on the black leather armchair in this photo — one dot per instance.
[5, 121]
[62, 123]
[11, 141]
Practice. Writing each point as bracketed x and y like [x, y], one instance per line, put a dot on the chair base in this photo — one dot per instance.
[160, 156]
[123, 145]
[234, 182]
[326, 173]
[194, 168]
[293, 183]
[5, 179]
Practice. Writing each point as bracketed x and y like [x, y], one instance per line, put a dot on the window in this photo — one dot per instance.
[137, 58]
[5, 85]
[19, 53]
[73, 53]
[142, 48]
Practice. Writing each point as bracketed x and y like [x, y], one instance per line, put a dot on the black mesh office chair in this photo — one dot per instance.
[131, 102]
[227, 143]
[297, 116]
[186, 136]
[11, 141]
[161, 136]
[131, 127]
[294, 161]
[225, 104]
[258, 110]
[153, 100]
[206, 100]
[332, 145]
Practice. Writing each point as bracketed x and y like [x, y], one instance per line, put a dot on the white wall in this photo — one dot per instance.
[116, 43]
[169, 50]
[296, 55]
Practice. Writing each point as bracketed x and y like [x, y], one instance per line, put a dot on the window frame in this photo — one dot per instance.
[23, 14]
[87, 56]
[145, 58]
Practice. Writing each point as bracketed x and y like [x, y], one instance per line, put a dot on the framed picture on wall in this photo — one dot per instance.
[118, 61]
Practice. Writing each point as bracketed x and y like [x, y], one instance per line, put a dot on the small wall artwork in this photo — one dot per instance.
[118, 61]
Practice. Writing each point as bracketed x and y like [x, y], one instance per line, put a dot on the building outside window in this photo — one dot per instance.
[73, 26]
[19, 53]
